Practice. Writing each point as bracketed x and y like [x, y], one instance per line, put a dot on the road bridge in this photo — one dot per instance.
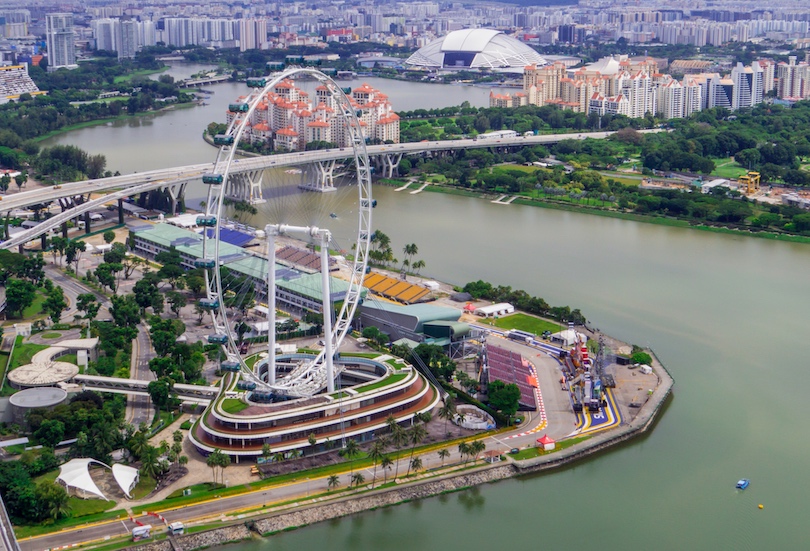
[245, 176]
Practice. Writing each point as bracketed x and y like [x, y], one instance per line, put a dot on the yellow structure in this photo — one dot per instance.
[749, 183]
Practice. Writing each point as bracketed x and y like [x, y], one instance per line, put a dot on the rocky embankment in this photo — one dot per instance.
[353, 504]
[200, 540]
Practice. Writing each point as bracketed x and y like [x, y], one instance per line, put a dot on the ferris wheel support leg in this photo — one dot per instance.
[271, 307]
[327, 314]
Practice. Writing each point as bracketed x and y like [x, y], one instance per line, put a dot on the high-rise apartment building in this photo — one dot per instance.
[59, 37]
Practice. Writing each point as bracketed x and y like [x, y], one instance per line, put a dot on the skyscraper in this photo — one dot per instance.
[59, 35]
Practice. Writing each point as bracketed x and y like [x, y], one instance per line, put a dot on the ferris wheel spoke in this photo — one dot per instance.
[235, 282]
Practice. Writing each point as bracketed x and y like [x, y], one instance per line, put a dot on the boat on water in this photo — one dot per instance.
[743, 483]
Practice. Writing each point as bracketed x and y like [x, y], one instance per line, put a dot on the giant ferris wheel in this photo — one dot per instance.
[306, 210]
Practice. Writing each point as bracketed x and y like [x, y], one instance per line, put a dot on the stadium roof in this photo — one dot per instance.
[476, 49]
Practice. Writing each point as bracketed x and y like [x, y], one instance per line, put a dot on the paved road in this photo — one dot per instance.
[139, 408]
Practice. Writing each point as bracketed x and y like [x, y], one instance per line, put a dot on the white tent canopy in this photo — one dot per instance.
[76, 474]
[126, 477]
[567, 337]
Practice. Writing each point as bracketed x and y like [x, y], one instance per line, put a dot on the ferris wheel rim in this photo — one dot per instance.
[364, 203]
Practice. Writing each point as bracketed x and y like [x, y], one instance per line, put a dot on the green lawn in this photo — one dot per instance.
[233, 405]
[525, 322]
[51, 335]
[530, 453]
[36, 307]
[383, 382]
[519, 168]
[24, 352]
[145, 486]
[61, 524]
[727, 168]
[141, 73]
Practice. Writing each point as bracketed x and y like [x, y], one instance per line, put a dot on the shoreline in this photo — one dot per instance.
[633, 217]
[328, 508]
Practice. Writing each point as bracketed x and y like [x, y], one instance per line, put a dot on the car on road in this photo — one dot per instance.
[514, 451]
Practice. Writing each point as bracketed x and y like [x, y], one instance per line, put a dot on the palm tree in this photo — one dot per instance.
[446, 412]
[351, 450]
[443, 454]
[183, 460]
[266, 451]
[375, 454]
[477, 447]
[278, 457]
[416, 464]
[464, 450]
[177, 436]
[215, 460]
[399, 438]
[416, 434]
[149, 461]
[386, 463]
[418, 265]
[333, 481]
[357, 479]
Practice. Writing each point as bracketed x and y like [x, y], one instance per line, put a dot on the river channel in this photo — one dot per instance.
[725, 314]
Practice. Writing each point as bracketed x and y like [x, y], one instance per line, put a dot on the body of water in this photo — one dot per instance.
[725, 314]
[174, 136]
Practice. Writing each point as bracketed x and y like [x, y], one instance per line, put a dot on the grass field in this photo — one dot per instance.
[727, 168]
[525, 322]
[24, 352]
[142, 73]
[36, 307]
[51, 335]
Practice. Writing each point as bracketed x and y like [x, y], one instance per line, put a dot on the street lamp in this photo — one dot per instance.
[264, 498]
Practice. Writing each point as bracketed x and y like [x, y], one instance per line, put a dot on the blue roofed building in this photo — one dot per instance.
[296, 291]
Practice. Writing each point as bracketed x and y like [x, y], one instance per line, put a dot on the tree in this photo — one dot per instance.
[53, 499]
[504, 397]
[641, 357]
[160, 391]
[20, 295]
[176, 301]
[5, 181]
[386, 463]
[125, 311]
[21, 179]
[266, 451]
[50, 432]
[109, 236]
[358, 479]
[177, 436]
[55, 303]
[443, 454]
[477, 447]
[398, 437]
[73, 253]
[464, 450]
[149, 461]
[213, 461]
[447, 412]
[376, 453]
[416, 464]
[332, 482]
[350, 451]
[416, 434]
[58, 246]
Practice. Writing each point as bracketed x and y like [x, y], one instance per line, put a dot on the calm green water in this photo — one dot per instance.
[727, 315]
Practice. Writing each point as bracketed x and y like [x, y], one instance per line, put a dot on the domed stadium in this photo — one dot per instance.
[476, 49]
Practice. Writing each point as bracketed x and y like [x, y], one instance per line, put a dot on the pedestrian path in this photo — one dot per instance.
[421, 188]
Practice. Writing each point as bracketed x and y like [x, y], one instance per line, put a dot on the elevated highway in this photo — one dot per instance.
[247, 169]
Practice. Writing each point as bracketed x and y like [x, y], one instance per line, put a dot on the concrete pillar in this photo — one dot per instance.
[64, 230]
[120, 211]
[87, 222]
[44, 241]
